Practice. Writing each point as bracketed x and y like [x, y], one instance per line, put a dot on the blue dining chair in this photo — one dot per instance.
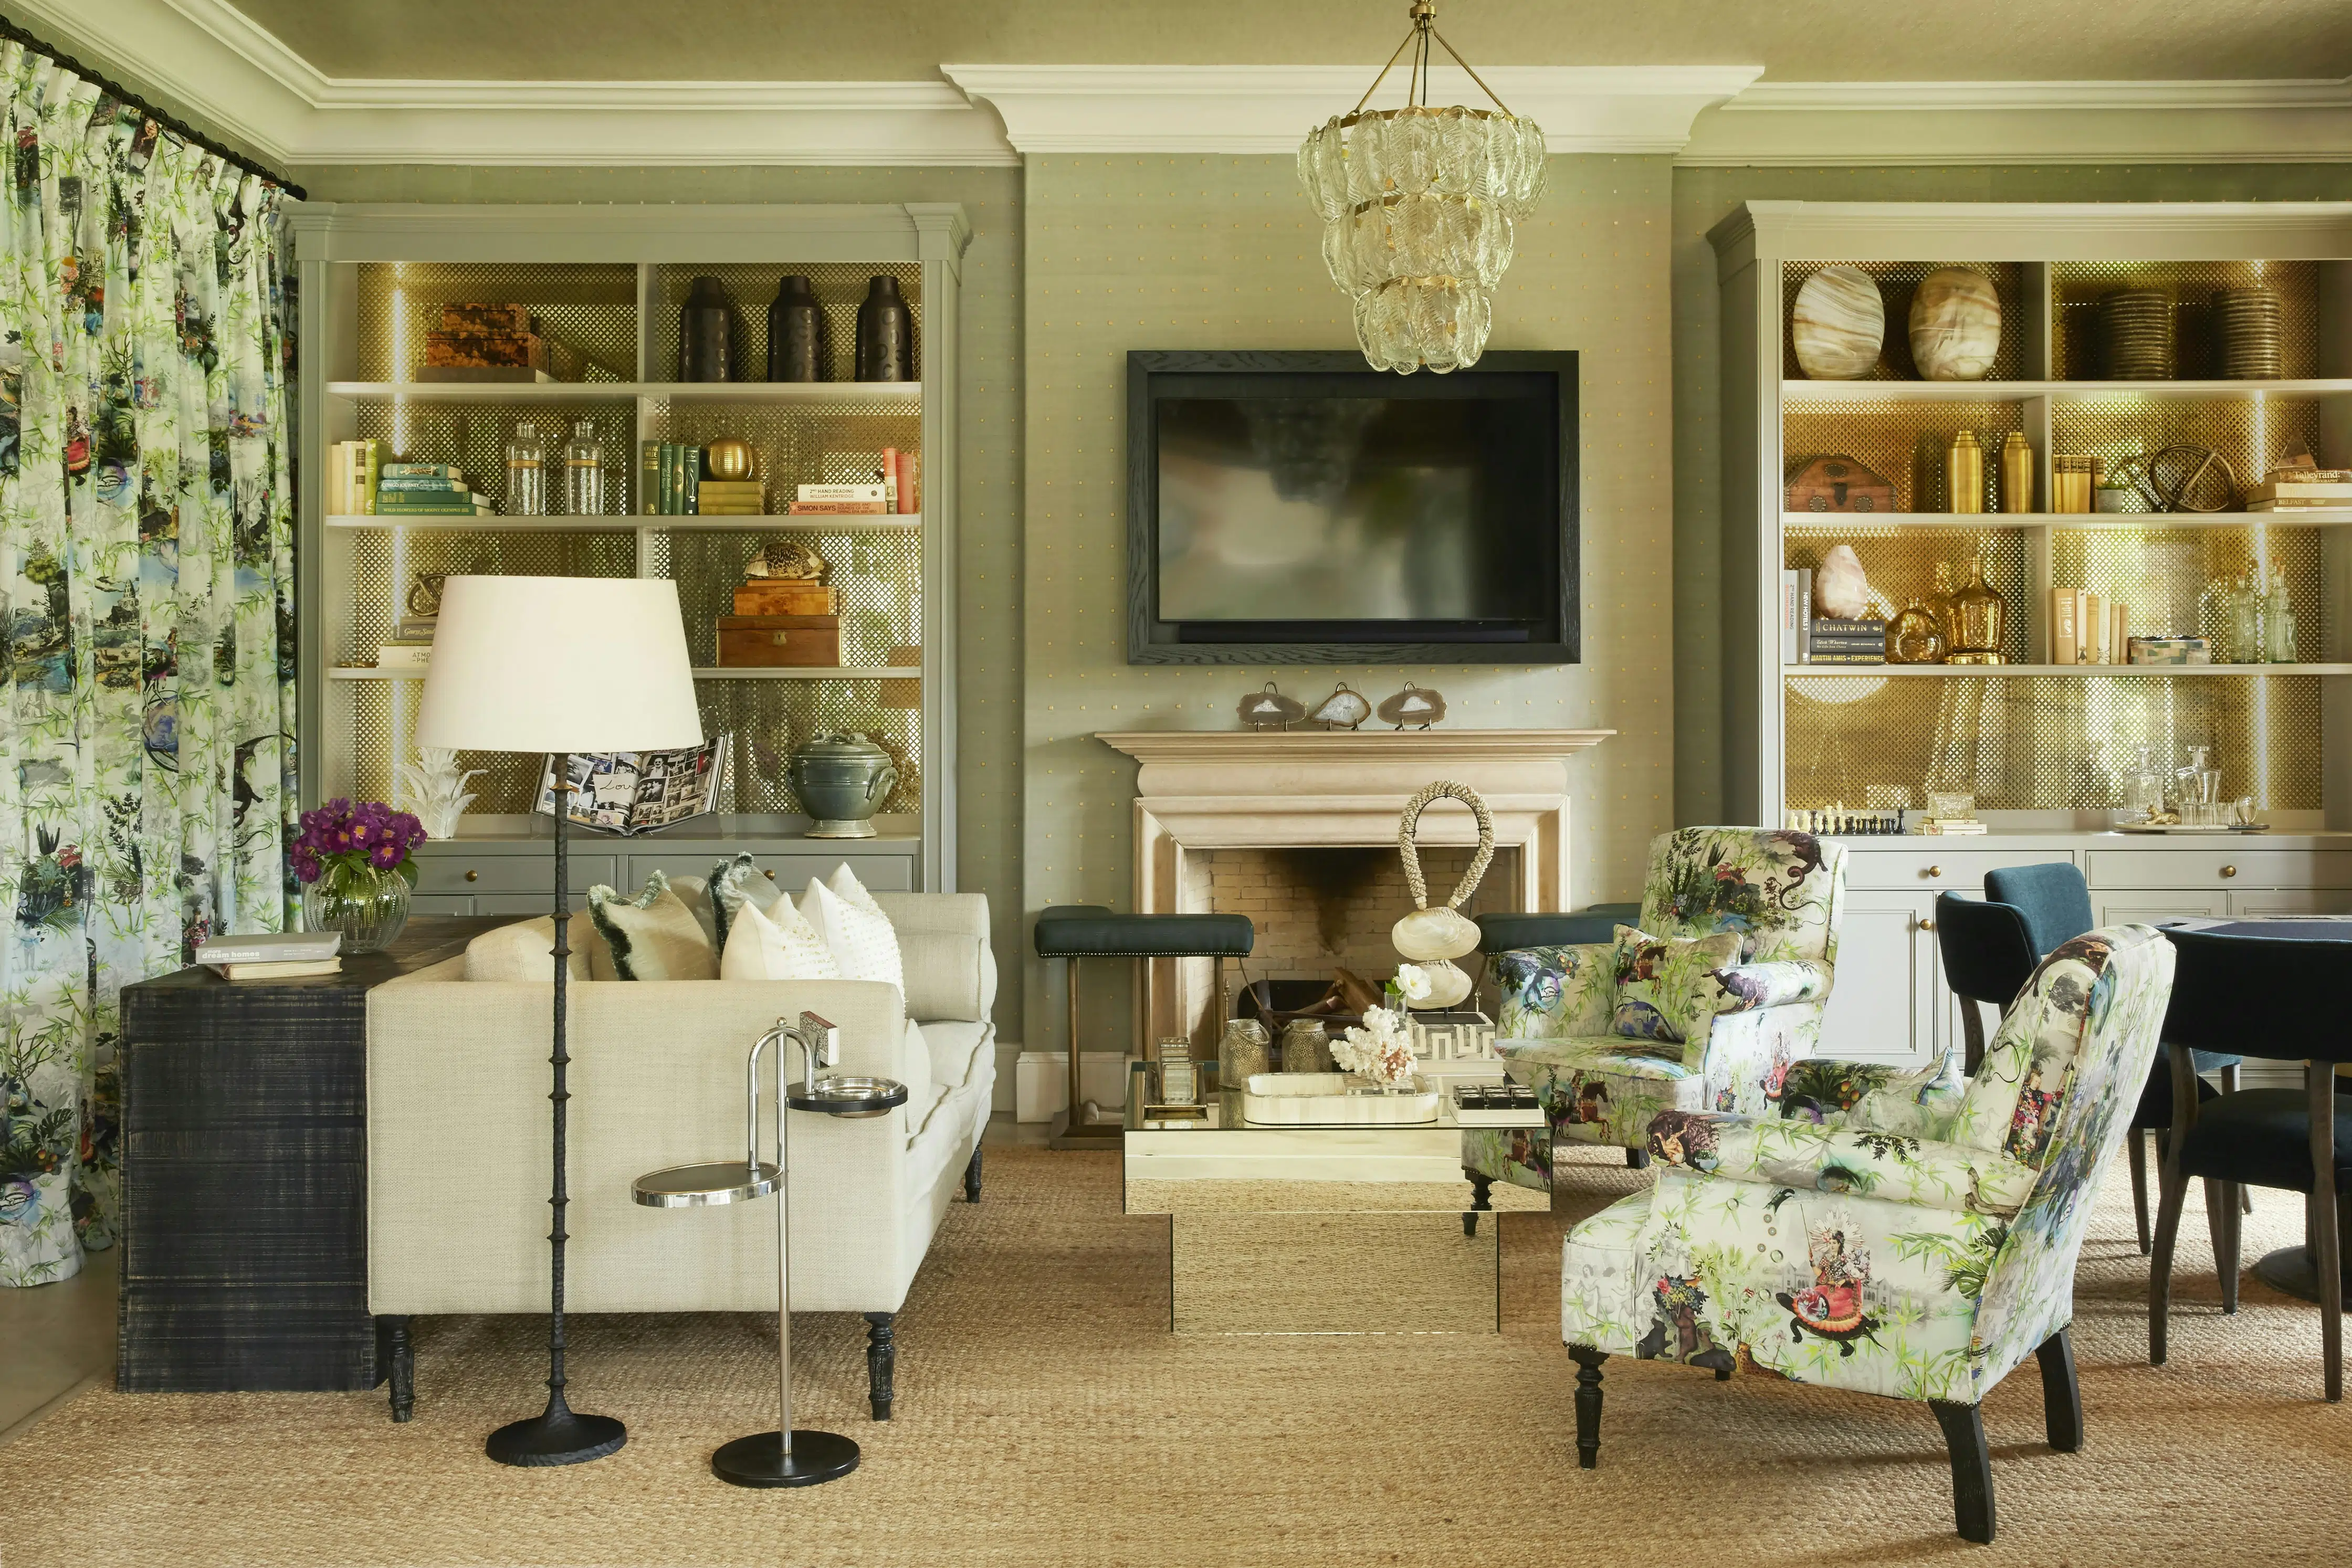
[2054, 902]
[2272, 996]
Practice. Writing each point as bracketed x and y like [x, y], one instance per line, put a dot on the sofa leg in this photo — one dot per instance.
[1588, 1404]
[1964, 1435]
[1637, 1159]
[398, 1356]
[881, 1362]
[1480, 1186]
[972, 1176]
[2061, 1392]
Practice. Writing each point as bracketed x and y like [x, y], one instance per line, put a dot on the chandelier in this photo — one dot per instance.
[1420, 209]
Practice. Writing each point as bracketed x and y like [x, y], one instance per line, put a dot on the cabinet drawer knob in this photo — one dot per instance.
[2229, 871]
[1926, 924]
[1935, 870]
[473, 876]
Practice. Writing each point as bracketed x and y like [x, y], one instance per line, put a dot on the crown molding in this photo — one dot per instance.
[1788, 123]
[1269, 108]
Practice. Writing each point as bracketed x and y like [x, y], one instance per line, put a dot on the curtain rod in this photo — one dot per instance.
[170, 122]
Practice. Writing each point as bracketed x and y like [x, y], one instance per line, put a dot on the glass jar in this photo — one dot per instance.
[583, 472]
[2279, 630]
[526, 474]
[1305, 1047]
[1245, 1048]
[369, 906]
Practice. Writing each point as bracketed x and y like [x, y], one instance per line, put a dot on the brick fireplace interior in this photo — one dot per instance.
[1317, 909]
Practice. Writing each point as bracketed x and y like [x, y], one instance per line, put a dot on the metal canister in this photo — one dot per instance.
[1306, 1048]
[1245, 1048]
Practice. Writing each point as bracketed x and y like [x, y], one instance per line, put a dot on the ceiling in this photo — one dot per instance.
[880, 40]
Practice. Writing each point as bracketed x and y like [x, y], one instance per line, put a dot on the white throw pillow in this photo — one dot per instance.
[782, 946]
[653, 936]
[525, 950]
[854, 926]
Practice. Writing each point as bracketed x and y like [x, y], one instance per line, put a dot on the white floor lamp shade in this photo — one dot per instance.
[559, 664]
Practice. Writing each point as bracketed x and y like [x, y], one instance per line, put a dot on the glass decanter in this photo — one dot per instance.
[2279, 624]
[2143, 787]
[1913, 637]
[526, 474]
[2254, 620]
[583, 472]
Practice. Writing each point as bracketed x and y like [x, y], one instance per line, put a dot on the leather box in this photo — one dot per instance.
[745, 640]
[1836, 484]
[783, 596]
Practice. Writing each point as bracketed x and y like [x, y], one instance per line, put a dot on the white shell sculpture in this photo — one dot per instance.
[1838, 324]
[1955, 325]
[1448, 984]
[1840, 590]
[1428, 935]
[435, 789]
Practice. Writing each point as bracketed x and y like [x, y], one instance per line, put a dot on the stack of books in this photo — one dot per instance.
[2304, 487]
[669, 478]
[426, 490]
[842, 501]
[273, 954]
[352, 470]
[731, 498]
[1833, 642]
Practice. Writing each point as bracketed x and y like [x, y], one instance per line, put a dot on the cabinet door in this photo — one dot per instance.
[1883, 1006]
[2149, 906]
[2293, 901]
[440, 903]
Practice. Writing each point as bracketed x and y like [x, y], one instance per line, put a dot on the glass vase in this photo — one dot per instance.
[369, 906]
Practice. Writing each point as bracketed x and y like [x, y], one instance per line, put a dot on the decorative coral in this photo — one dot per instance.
[1380, 1052]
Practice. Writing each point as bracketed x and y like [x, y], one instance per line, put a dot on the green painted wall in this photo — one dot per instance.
[1701, 197]
[988, 691]
[1195, 252]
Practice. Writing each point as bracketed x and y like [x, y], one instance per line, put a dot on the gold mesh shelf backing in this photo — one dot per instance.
[2078, 351]
[474, 436]
[1898, 282]
[2046, 743]
[590, 308]
[2249, 432]
[1903, 443]
[876, 579]
[752, 288]
[1900, 562]
[2162, 574]
[385, 563]
[832, 443]
[767, 720]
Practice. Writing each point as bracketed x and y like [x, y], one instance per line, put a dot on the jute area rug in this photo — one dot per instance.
[1046, 1416]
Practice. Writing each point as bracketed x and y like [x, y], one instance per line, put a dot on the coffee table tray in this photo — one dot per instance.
[1323, 1100]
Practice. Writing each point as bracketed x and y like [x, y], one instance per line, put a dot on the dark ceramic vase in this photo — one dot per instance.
[704, 338]
[797, 333]
[886, 334]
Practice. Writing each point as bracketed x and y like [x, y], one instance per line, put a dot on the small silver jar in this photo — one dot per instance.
[1245, 1048]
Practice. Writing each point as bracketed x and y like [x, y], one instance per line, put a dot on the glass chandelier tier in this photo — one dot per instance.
[1420, 207]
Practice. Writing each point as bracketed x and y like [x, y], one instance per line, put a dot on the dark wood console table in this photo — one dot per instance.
[244, 1175]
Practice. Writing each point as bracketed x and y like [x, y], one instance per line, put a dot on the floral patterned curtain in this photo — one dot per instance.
[147, 602]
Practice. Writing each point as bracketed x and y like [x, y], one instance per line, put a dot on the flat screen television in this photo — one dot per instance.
[1304, 508]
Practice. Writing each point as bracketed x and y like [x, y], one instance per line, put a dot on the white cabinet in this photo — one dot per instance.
[2292, 901]
[1883, 1007]
[2151, 905]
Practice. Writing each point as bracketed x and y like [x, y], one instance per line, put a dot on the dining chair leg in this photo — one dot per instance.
[2225, 1250]
[1964, 1436]
[2173, 1197]
[2326, 1221]
[2229, 1076]
[2137, 1152]
[2061, 1392]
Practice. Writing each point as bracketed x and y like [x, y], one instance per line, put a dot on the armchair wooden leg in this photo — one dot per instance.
[2174, 1197]
[881, 1362]
[1588, 1404]
[2135, 1152]
[1480, 1185]
[972, 1176]
[2062, 1394]
[400, 1357]
[1637, 1159]
[1964, 1436]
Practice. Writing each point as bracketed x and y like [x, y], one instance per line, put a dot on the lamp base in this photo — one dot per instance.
[558, 1436]
[760, 1461]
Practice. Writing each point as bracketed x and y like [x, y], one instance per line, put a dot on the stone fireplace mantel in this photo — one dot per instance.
[1213, 790]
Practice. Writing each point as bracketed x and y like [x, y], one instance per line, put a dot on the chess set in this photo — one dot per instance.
[1495, 1105]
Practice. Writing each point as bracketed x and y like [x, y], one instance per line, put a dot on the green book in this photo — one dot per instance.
[373, 473]
[649, 477]
[419, 484]
[691, 467]
[672, 484]
[420, 471]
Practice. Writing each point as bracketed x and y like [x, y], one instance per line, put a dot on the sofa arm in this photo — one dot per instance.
[943, 939]
[1920, 1172]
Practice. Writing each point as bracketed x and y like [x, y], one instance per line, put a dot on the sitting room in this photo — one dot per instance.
[992, 782]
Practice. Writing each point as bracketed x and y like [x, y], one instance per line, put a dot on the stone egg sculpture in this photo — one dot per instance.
[1955, 325]
[1432, 936]
[1840, 592]
[1838, 325]
[1448, 986]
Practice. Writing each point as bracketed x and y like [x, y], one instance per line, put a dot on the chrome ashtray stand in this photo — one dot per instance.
[783, 1457]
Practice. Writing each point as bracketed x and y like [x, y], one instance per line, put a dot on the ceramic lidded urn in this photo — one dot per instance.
[796, 332]
[705, 332]
[885, 333]
[842, 780]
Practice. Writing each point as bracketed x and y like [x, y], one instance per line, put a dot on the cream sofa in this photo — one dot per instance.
[459, 1146]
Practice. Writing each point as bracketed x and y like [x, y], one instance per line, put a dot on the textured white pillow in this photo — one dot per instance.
[653, 936]
[779, 947]
[526, 951]
[855, 927]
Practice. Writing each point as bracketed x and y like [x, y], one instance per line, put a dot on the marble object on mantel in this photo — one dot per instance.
[1838, 324]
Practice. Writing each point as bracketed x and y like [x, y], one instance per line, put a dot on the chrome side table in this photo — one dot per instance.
[783, 1457]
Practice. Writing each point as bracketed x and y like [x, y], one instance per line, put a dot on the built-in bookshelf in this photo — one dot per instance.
[2042, 746]
[606, 284]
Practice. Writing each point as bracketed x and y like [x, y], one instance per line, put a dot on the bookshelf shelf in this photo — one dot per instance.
[673, 391]
[1802, 391]
[650, 522]
[710, 672]
[2017, 672]
[1980, 522]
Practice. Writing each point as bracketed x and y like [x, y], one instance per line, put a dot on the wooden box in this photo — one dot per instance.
[781, 596]
[1836, 484]
[753, 639]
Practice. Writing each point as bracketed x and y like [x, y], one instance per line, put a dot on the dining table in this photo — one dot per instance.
[2292, 1269]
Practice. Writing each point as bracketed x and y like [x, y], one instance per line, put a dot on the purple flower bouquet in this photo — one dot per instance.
[355, 870]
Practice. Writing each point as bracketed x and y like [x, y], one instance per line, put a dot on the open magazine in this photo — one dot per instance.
[638, 791]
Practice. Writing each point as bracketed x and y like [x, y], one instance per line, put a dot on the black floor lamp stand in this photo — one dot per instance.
[558, 1435]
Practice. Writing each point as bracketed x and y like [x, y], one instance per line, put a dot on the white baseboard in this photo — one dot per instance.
[1041, 1082]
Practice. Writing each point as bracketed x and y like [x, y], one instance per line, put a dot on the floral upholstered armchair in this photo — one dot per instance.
[1709, 1006]
[1917, 1242]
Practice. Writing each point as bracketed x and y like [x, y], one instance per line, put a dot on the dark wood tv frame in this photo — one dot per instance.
[1147, 642]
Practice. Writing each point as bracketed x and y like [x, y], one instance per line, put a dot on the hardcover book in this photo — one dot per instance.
[631, 792]
[270, 947]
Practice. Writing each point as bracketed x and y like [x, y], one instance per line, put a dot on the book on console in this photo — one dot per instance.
[281, 971]
[270, 947]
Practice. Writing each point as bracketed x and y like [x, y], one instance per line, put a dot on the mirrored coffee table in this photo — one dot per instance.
[1287, 1229]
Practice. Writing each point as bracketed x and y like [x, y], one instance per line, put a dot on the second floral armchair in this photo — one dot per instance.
[1712, 1005]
